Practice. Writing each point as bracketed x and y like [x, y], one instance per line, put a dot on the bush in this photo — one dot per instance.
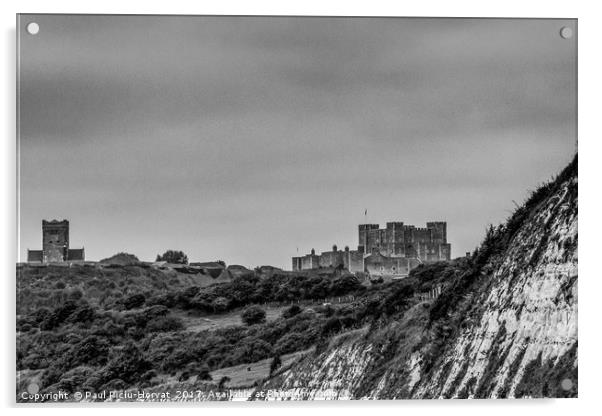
[84, 313]
[165, 324]
[253, 315]
[291, 311]
[223, 382]
[123, 259]
[331, 326]
[204, 373]
[275, 364]
[127, 364]
[92, 350]
[293, 341]
[134, 301]
[58, 316]
[173, 256]
[220, 304]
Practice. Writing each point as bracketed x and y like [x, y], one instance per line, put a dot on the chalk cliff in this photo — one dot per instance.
[505, 328]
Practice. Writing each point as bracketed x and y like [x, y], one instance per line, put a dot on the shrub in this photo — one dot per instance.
[222, 382]
[248, 350]
[204, 374]
[398, 298]
[275, 364]
[92, 350]
[115, 384]
[173, 256]
[166, 299]
[123, 259]
[155, 311]
[165, 324]
[127, 364]
[82, 314]
[331, 326]
[291, 311]
[345, 284]
[134, 301]
[253, 315]
[293, 341]
[220, 304]
[58, 316]
[75, 294]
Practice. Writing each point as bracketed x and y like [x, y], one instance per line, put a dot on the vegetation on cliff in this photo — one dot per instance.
[504, 323]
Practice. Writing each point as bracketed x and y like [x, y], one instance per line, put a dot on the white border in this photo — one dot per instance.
[590, 93]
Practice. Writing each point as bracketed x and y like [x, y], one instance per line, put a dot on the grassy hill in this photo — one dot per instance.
[99, 284]
[98, 327]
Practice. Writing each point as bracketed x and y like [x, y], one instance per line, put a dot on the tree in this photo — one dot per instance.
[222, 382]
[173, 256]
[204, 373]
[253, 315]
[276, 363]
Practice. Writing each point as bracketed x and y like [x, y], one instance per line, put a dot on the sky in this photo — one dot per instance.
[255, 139]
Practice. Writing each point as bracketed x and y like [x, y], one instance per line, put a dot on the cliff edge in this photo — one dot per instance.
[505, 326]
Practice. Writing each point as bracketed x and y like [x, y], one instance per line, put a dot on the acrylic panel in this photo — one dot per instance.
[295, 208]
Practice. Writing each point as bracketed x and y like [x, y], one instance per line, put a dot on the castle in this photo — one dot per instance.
[55, 244]
[388, 252]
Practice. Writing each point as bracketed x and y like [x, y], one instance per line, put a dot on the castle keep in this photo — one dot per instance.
[55, 244]
[388, 252]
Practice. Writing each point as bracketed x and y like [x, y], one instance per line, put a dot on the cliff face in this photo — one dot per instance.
[507, 330]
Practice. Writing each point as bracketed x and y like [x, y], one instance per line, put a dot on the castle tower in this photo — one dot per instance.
[364, 236]
[55, 240]
[395, 243]
[438, 230]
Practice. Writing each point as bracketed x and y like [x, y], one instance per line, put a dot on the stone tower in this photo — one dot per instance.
[55, 245]
[55, 240]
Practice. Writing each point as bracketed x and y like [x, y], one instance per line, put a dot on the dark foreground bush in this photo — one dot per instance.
[253, 315]
[291, 311]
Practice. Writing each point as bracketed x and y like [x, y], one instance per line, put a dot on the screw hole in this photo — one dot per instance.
[566, 32]
[33, 28]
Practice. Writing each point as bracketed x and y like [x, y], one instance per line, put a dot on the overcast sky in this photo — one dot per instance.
[247, 138]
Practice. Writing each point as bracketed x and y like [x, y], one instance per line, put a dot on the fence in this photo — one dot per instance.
[422, 296]
[308, 302]
[431, 294]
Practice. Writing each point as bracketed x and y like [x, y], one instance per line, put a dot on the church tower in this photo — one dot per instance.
[55, 241]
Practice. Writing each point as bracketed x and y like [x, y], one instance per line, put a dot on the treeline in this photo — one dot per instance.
[249, 289]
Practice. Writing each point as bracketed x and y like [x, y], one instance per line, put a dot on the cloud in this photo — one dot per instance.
[206, 122]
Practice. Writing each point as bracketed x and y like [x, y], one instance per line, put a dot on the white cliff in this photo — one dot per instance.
[512, 334]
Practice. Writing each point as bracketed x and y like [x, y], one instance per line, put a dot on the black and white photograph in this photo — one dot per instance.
[295, 208]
